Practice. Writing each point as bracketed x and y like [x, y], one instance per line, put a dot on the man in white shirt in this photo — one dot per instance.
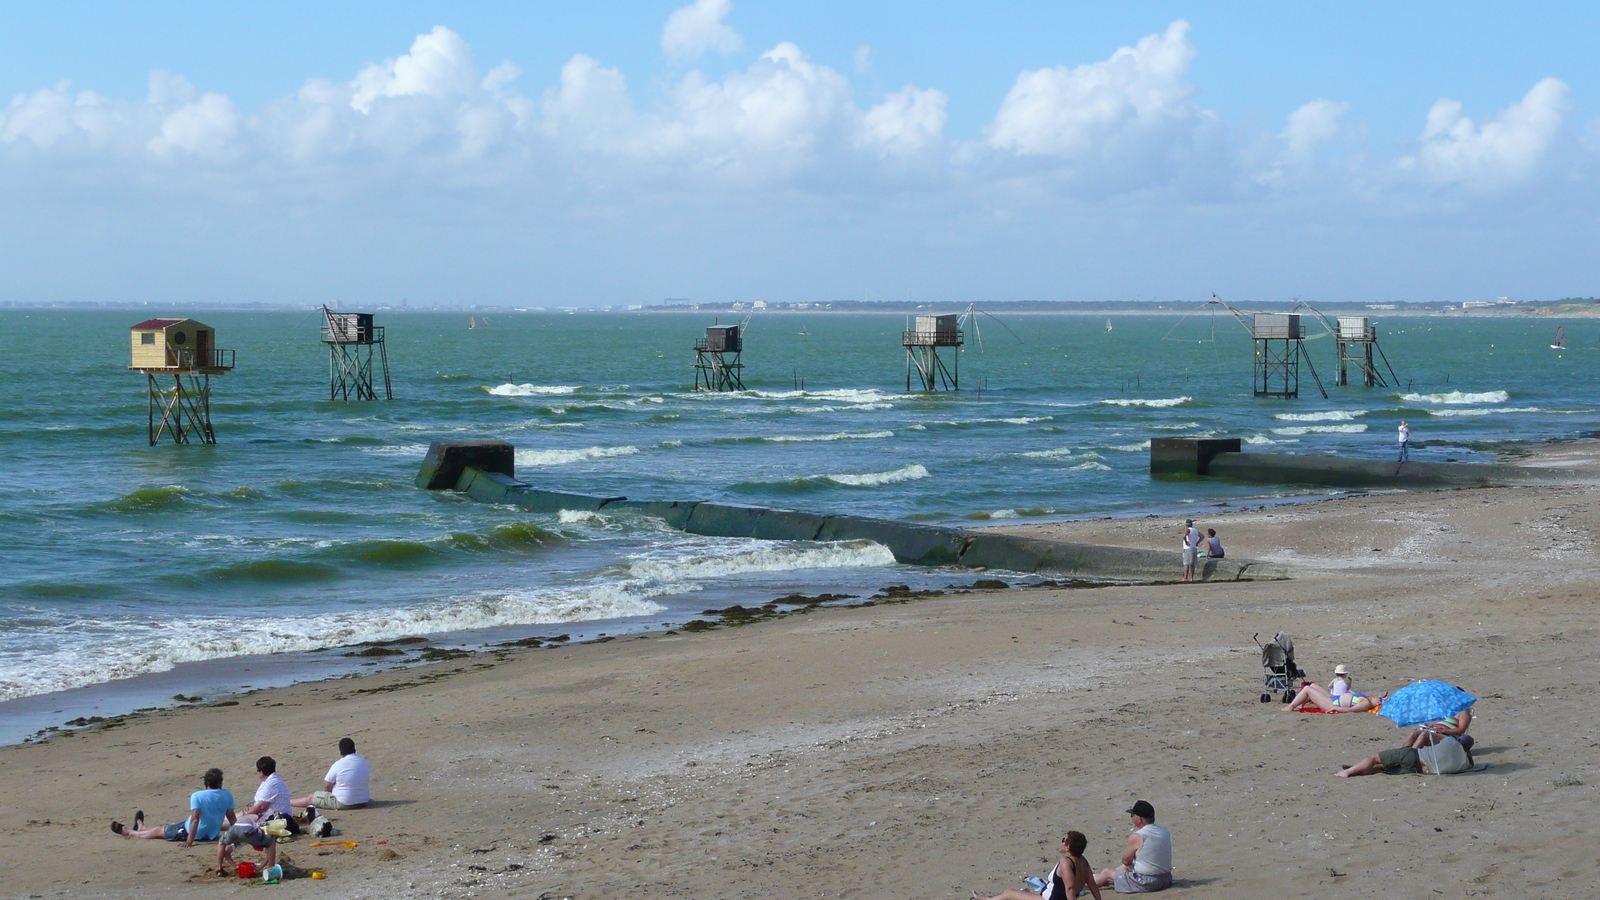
[1147, 863]
[1405, 441]
[1191, 548]
[272, 797]
[347, 784]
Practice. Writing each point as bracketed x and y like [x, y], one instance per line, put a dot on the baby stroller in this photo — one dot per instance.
[1277, 657]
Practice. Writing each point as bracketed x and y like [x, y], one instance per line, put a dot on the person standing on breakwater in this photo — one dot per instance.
[1405, 441]
[1191, 548]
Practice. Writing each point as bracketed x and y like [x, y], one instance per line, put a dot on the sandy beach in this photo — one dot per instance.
[932, 747]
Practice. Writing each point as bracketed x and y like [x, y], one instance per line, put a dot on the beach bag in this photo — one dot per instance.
[1445, 757]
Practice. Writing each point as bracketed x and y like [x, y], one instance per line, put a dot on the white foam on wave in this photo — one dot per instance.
[1482, 411]
[836, 436]
[1025, 420]
[137, 647]
[531, 390]
[1322, 429]
[1458, 397]
[842, 395]
[873, 479]
[854, 407]
[1048, 454]
[1176, 426]
[1131, 448]
[563, 457]
[1154, 404]
[1259, 439]
[1332, 415]
[1090, 466]
[670, 444]
[417, 450]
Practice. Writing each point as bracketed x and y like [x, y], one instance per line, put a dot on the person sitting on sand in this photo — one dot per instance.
[1336, 699]
[346, 786]
[272, 797]
[1070, 877]
[1445, 760]
[246, 830]
[1213, 544]
[1147, 863]
[208, 809]
[1451, 726]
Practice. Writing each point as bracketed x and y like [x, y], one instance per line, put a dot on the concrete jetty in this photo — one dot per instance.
[486, 471]
[1222, 458]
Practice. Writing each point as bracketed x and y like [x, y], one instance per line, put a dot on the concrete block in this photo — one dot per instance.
[441, 468]
[535, 499]
[920, 545]
[1187, 456]
[487, 487]
[674, 512]
[724, 519]
[789, 525]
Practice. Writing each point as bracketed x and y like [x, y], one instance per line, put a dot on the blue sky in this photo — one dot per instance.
[827, 150]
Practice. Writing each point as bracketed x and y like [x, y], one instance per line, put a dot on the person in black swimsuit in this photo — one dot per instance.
[1078, 875]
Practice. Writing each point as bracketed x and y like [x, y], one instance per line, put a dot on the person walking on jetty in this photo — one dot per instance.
[1191, 548]
[1147, 863]
[347, 784]
[208, 809]
[1405, 441]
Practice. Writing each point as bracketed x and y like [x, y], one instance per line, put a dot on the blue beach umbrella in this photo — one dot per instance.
[1425, 701]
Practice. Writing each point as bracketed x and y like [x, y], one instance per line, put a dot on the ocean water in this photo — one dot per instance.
[301, 530]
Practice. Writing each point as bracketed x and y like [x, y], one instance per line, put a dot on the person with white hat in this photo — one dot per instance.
[1338, 698]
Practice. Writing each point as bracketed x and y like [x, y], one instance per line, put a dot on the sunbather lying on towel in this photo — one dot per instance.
[1338, 698]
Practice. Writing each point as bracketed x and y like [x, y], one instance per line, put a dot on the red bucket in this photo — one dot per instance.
[247, 870]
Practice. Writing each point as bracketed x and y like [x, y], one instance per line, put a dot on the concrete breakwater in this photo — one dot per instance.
[1221, 458]
[486, 471]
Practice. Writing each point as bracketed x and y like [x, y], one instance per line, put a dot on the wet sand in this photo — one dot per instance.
[932, 747]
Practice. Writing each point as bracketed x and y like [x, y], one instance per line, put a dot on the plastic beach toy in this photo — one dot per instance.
[272, 875]
[319, 874]
[247, 870]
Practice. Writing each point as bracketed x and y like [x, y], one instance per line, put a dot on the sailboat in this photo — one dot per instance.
[472, 321]
[1560, 343]
[1108, 326]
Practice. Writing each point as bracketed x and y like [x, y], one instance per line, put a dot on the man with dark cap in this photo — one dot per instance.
[1147, 863]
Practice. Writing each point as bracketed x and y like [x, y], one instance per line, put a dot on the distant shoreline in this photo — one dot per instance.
[1065, 308]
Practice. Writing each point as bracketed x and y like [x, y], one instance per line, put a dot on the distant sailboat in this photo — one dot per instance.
[472, 321]
[1108, 326]
[1560, 343]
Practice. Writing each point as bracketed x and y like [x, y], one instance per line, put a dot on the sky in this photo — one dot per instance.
[606, 153]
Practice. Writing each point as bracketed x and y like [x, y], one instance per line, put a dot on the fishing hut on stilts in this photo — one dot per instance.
[718, 359]
[1357, 341]
[1280, 348]
[185, 351]
[356, 352]
[922, 344]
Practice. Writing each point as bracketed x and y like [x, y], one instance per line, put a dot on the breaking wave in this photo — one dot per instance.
[836, 436]
[1335, 415]
[1322, 429]
[1155, 404]
[1483, 411]
[873, 479]
[1457, 397]
[563, 457]
[531, 390]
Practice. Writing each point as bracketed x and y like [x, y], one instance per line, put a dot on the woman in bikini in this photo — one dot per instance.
[1338, 698]
[1070, 877]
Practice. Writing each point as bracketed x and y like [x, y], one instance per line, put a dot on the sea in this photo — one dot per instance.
[142, 576]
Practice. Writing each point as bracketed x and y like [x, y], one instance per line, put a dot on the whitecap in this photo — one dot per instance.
[1322, 429]
[873, 479]
[563, 457]
[1131, 448]
[1090, 466]
[836, 436]
[1335, 415]
[1157, 404]
[1457, 397]
[1482, 411]
[531, 390]
[1048, 454]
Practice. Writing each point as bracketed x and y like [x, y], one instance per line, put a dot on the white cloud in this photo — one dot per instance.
[1312, 125]
[692, 30]
[205, 128]
[1502, 152]
[439, 65]
[1139, 94]
[863, 59]
[909, 120]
